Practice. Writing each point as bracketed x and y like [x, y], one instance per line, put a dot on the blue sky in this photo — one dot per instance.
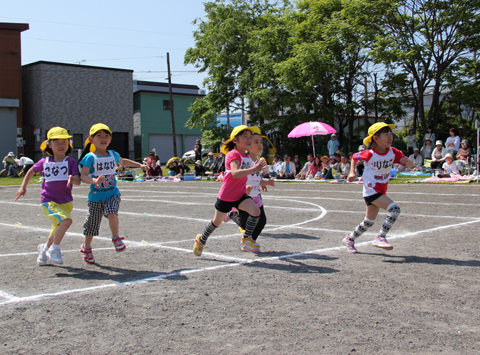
[122, 34]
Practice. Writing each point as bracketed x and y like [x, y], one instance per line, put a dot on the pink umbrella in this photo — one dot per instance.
[310, 129]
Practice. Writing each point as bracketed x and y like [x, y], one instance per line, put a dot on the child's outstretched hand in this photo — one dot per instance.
[407, 162]
[144, 167]
[351, 177]
[21, 192]
[249, 189]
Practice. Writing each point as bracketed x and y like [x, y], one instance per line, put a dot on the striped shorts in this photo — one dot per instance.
[96, 210]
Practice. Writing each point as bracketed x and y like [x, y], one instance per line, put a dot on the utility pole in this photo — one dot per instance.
[171, 106]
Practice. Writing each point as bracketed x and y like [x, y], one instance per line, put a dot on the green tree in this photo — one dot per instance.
[426, 38]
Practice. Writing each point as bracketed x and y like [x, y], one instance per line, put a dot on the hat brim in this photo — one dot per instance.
[368, 139]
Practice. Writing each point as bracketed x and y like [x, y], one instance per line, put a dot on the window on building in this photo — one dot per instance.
[77, 141]
[166, 104]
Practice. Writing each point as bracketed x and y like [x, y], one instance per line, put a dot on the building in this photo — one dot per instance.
[152, 118]
[76, 97]
[11, 88]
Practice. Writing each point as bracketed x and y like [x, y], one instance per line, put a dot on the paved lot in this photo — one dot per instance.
[302, 294]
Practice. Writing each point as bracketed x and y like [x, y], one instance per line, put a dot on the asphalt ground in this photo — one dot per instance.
[303, 293]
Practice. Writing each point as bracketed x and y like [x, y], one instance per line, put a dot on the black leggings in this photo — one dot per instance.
[240, 219]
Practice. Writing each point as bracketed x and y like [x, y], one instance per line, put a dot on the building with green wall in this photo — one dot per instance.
[152, 123]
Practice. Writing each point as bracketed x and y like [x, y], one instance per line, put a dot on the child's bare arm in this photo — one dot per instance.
[132, 164]
[238, 173]
[352, 176]
[74, 179]
[23, 188]
[87, 179]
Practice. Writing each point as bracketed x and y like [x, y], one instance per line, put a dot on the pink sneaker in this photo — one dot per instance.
[119, 246]
[88, 257]
[350, 244]
[380, 242]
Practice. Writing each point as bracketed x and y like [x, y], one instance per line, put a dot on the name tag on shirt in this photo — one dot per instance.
[53, 171]
[104, 166]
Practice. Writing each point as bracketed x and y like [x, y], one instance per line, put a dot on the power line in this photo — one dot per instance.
[91, 26]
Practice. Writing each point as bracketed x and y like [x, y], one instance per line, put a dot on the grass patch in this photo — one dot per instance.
[9, 181]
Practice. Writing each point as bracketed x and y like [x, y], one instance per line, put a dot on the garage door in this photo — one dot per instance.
[163, 145]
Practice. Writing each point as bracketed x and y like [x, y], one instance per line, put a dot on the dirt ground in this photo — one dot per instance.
[302, 294]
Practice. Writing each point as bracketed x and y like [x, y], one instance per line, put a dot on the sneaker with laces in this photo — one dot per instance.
[241, 230]
[88, 257]
[350, 244]
[118, 242]
[198, 247]
[381, 242]
[248, 244]
[42, 258]
[54, 255]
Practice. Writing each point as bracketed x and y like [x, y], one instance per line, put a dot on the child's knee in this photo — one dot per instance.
[394, 209]
[66, 222]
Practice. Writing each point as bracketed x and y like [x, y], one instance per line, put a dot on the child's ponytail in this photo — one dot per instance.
[85, 151]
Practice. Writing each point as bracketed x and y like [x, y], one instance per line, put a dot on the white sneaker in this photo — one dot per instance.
[55, 256]
[42, 258]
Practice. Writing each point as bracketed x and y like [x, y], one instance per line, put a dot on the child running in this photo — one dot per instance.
[98, 169]
[233, 193]
[378, 159]
[254, 181]
[59, 172]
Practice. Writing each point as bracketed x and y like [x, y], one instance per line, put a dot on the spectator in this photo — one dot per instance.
[25, 163]
[184, 168]
[333, 162]
[465, 152]
[9, 164]
[197, 149]
[199, 168]
[411, 141]
[275, 166]
[265, 171]
[303, 173]
[298, 165]
[340, 151]
[210, 162]
[449, 167]
[430, 135]
[453, 142]
[315, 168]
[333, 144]
[427, 149]
[150, 157]
[219, 165]
[174, 170]
[438, 155]
[154, 169]
[287, 169]
[344, 167]
[417, 159]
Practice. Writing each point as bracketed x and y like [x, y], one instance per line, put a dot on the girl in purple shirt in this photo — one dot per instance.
[59, 172]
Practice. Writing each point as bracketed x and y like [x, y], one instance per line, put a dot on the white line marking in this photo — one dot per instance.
[14, 299]
[8, 296]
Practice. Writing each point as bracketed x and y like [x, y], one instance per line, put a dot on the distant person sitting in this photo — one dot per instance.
[199, 168]
[287, 169]
[184, 168]
[344, 167]
[306, 168]
[210, 162]
[296, 161]
[417, 159]
[427, 149]
[25, 163]
[464, 153]
[360, 167]
[9, 164]
[275, 166]
[438, 155]
[449, 167]
[154, 170]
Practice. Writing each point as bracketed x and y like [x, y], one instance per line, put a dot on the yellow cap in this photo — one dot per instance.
[55, 133]
[374, 128]
[235, 133]
[95, 128]
[256, 130]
